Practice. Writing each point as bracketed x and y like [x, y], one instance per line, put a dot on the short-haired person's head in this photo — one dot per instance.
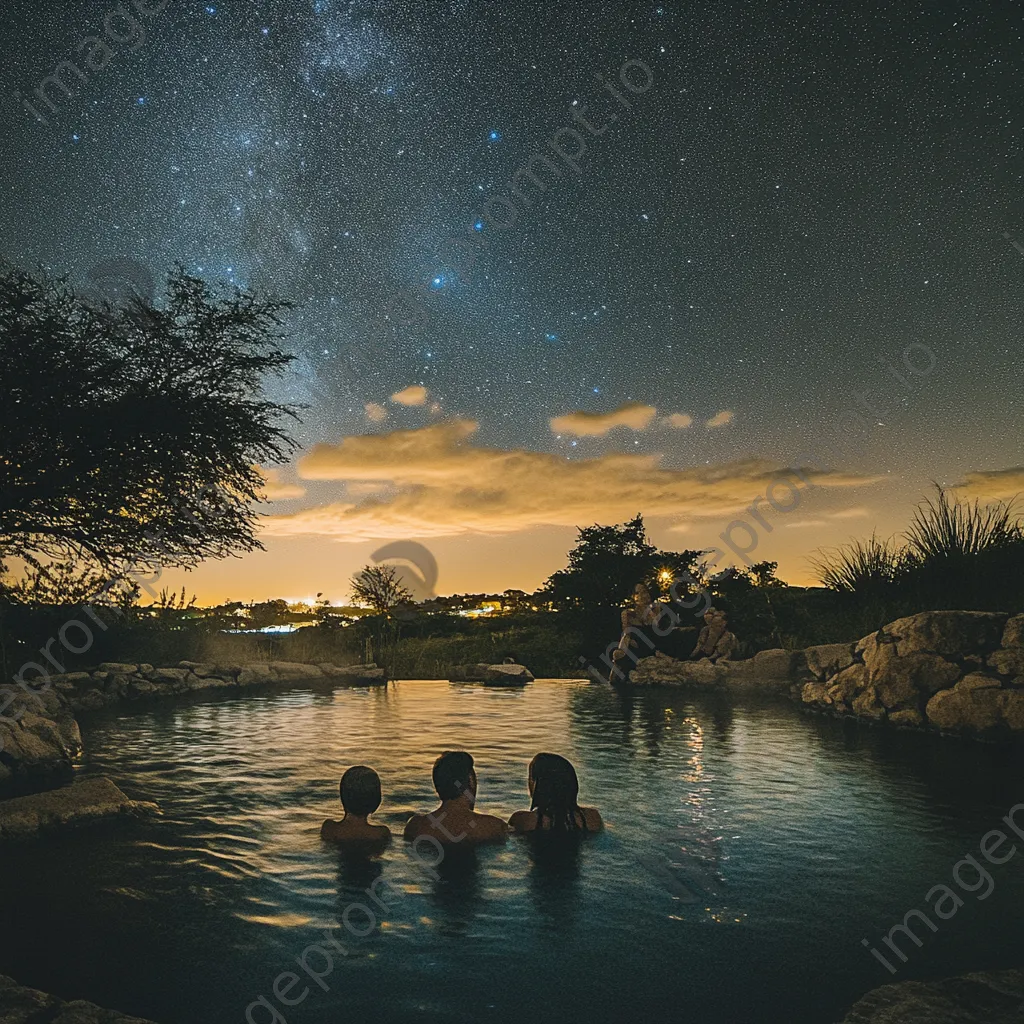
[360, 790]
[454, 775]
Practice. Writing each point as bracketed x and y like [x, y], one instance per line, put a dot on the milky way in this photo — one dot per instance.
[804, 190]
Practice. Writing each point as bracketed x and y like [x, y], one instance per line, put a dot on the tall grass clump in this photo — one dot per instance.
[954, 554]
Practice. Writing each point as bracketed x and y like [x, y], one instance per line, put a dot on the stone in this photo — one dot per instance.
[906, 718]
[814, 693]
[842, 688]
[954, 633]
[294, 670]
[20, 1005]
[913, 677]
[977, 681]
[977, 710]
[120, 667]
[137, 688]
[829, 659]
[168, 675]
[989, 998]
[145, 668]
[39, 736]
[1013, 710]
[1007, 661]
[507, 675]
[777, 663]
[1013, 634]
[660, 669]
[868, 705]
[877, 652]
[82, 803]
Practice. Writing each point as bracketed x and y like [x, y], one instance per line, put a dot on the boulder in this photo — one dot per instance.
[288, 671]
[914, 677]
[507, 675]
[867, 705]
[255, 674]
[39, 736]
[977, 681]
[993, 998]
[842, 688]
[954, 633]
[119, 667]
[829, 659]
[81, 803]
[906, 718]
[1007, 661]
[19, 1005]
[779, 664]
[877, 651]
[1013, 634]
[1013, 709]
[814, 693]
[168, 675]
[660, 669]
[976, 710]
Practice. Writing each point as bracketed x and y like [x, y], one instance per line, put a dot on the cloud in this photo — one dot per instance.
[375, 412]
[596, 424]
[679, 420]
[857, 512]
[993, 484]
[444, 485]
[720, 419]
[276, 489]
[414, 394]
[801, 524]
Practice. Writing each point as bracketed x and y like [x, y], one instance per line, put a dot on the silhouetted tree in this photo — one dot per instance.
[380, 586]
[132, 437]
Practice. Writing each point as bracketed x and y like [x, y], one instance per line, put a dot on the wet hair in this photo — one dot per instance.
[555, 793]
[452, 773]
[360, 790]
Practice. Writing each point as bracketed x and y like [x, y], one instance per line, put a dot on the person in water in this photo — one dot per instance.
[456, 820]
[715, 640]
[554, 806]
[360, 797]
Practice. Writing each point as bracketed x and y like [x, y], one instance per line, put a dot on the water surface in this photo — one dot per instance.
[749, 850]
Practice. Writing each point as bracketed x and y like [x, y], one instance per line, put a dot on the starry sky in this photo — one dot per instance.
[758, 235]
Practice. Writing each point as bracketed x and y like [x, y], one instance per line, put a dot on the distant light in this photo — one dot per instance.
[495, 136]
[478, 226]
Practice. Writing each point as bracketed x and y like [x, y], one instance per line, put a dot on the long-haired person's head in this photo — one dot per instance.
[555, 790]
[455, 776]
[360, 791]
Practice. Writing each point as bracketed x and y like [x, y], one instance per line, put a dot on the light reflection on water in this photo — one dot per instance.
[748, 851]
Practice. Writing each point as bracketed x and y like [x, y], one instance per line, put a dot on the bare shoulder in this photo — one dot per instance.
[489, 826]
[592, 817]
[329, 829]
[382, 833]
[523, 821]
[415, 826]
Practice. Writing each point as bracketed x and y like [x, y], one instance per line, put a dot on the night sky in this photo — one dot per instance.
[797, 204]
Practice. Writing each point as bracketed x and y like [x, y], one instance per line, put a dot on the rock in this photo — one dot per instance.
[1007, 661]
[38, 736]
[907, 717]
[777, 663]
[1013, 710]
[168, 675]
[868, 705]
[977, 681]
[954, 633]
[467, 673]
[660, 669]
[994, 998]
[255, 674]
[19, 1005]
[120, 667]
[81, 803]
[138, 688]
[356, 675]
[912, 678]
[843, 687]
[975, 710]
[145, 669]
[829, 659]
[814, 693]
[877, 651]
[1013, 634]
[285, 671]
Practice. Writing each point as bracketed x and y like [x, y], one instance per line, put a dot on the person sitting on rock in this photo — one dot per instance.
[641, 615]
[360, 797]
[715, 640]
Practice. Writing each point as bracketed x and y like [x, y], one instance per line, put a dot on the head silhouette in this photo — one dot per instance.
[454, 775]
[555, 790]
[360, 791]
